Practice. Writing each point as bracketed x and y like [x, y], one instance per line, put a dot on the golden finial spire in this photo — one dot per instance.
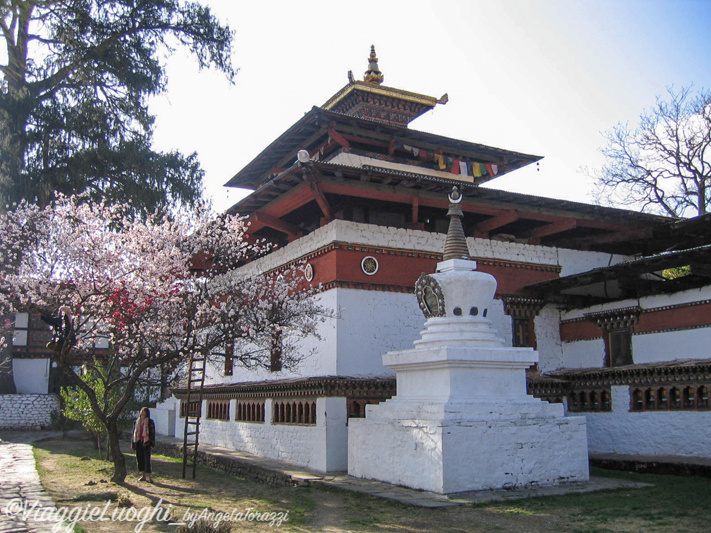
[373, 74]
[455, 247]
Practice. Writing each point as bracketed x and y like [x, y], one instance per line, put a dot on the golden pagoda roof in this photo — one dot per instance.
[370, 99]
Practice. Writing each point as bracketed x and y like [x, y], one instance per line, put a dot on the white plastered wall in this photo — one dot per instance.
[323, 446]
[685, 433]
[31, 375]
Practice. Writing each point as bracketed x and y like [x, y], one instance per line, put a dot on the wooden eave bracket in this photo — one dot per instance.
[552, 229]
[265, 219]
[320, 198]
[339, 138]
[497, 221]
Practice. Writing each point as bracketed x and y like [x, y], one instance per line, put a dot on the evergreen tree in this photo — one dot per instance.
[76, 78]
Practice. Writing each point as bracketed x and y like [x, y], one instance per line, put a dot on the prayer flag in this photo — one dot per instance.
[455, 166]
[476, 169]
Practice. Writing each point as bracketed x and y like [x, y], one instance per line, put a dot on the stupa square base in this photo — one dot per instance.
[446, 456]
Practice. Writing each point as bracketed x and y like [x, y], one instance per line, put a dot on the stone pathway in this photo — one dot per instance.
[25, 507]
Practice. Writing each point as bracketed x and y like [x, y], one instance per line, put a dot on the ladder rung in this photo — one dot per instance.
[195, 384]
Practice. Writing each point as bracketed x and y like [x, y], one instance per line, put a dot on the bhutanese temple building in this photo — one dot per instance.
[360, 197]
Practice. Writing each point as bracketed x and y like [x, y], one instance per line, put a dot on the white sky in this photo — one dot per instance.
[543, 77]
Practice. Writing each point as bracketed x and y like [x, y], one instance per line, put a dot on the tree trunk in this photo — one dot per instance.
[14, 116]
[7, 378]
[115, 451]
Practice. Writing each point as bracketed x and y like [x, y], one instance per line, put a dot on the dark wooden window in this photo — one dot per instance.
[524, 335]
[619, 347]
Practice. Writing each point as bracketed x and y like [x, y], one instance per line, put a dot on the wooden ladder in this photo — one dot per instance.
[193, 407]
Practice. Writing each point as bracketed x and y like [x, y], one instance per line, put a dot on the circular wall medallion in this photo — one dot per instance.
[309, 272]
[369, 265]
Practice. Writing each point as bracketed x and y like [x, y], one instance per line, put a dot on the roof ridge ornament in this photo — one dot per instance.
[373, 74]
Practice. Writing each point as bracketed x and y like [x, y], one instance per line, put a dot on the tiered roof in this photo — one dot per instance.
[358, 147]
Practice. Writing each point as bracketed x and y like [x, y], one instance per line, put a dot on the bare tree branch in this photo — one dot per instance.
[663, 164]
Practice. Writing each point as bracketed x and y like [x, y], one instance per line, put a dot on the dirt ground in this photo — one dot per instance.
[76, 479]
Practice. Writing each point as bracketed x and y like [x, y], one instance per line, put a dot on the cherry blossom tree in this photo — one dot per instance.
[156, 290]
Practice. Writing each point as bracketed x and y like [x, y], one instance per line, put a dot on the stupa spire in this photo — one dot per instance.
[373, 74]
[455, 247]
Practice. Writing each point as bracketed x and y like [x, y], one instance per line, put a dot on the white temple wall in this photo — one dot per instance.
[28, 411]
[671, 345]
[576, 261]
[371, 324]
[692, 295]
[323, 446]
[319, 355]
[165, 416]
[584, 354]
[549, 346]
[31, 375]
[685, 433]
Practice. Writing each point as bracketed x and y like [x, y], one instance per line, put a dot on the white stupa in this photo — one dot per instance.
[461, 419]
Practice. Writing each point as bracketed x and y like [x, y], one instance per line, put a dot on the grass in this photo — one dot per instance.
[674, 504]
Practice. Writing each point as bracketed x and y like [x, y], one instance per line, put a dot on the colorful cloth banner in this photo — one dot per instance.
[493, 169]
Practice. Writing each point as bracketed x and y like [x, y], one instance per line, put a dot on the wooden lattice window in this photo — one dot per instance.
[680, 398]
[249, 411]
[195, 407]
[294, 412]
[218, 410]
[589, 401]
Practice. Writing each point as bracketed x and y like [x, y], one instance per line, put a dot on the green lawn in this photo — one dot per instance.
[673, 504]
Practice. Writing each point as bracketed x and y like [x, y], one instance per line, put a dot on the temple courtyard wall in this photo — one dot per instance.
[372, 322]
[321, 445]
[28, 411]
